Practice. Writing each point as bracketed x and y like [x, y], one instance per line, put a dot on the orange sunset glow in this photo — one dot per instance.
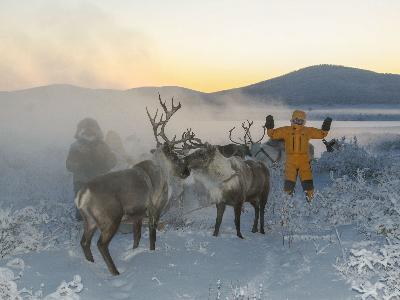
[202, 45]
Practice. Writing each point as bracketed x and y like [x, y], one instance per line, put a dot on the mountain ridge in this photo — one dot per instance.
[314, 85]
[326, 83]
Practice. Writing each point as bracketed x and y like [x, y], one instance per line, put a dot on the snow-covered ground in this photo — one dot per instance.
[330, 250]
[189, 263]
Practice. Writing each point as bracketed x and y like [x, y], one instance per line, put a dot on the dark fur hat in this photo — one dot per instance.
[89, 125]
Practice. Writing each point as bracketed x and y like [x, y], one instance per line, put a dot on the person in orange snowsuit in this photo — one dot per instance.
[297, 137]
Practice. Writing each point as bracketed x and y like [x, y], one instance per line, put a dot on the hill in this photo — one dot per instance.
[324, 85]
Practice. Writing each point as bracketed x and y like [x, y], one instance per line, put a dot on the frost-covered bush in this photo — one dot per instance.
[349, 158]
[372, 204]
[364, 190]
[62, 227]
[20, 230]
[8, 287]
[374, 273]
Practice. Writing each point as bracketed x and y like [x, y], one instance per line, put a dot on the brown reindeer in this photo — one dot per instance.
[132, 194]
[232, 181]
[260, 184]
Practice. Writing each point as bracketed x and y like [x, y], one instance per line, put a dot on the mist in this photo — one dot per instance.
[37, 127]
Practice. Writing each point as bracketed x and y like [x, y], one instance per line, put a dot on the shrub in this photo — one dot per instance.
[374, 273]
[20, 230]
[349, 158]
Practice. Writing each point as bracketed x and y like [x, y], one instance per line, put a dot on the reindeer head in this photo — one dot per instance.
[230, 150]
[201, 158]
[243, 148]
[179, 165]
[173, 148]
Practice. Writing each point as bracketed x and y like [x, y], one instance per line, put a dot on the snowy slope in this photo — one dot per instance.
[187, 264]
[301, 259]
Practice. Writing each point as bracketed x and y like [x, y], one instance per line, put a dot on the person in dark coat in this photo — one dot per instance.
[89, 156]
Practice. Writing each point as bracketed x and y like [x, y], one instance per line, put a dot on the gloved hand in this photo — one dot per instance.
[269, 122]
[326, 125]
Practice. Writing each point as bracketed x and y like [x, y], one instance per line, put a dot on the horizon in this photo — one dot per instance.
[183, 87]
[208, 46]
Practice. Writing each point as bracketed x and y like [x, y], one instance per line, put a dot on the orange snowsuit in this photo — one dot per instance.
[296, 139]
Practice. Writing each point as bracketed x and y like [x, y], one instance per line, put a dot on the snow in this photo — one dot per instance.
[9, 285]
[344, 245]
[188, 263]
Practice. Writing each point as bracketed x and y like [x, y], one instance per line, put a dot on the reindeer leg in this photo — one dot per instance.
[89, 230]
[137, 232]
[153, 232]
[220, 213]
[262, 213]
[103, 242]
[256, 215]
[263, 202]
[238, 211]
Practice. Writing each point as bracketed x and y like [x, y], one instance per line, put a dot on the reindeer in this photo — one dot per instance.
[272, 150]
[134, 193]
[231, 181]
[261, 186]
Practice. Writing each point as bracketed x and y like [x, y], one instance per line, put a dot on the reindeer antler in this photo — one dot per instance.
[159, 126]
[247, 134]
[187, 139]
[242, 141]
[247, 131]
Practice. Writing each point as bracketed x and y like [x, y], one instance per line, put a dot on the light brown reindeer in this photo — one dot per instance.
[231, 181]
[258, 193]
[134, 193]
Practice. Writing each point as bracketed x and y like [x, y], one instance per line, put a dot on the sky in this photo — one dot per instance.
[206, 45]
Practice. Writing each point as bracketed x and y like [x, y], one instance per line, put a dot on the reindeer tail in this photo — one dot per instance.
[79, 196]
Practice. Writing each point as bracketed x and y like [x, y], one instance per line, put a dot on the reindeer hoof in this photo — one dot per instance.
[240, 236]
[254, 230]
[115, 272]
[215, 233]
[135, 246]
[262, 231]
[89, 257]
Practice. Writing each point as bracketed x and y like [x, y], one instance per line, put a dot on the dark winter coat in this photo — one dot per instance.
[89, 156]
